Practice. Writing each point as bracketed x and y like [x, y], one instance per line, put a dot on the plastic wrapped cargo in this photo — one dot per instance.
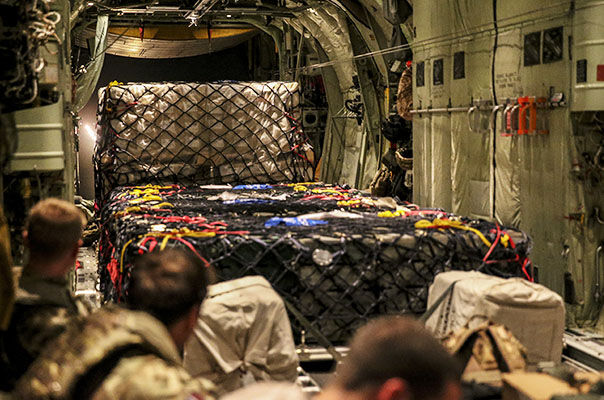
[223, 132]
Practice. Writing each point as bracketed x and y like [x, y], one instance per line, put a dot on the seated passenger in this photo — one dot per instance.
[243, 335]
[119, 353]
[395, 358]
[43, 304]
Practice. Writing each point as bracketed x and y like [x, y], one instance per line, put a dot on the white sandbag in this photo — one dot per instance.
[533, 313]
[242, 335]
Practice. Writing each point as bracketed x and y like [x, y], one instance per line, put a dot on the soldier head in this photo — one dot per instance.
[53, 232]
[170, 285]
[395, 358]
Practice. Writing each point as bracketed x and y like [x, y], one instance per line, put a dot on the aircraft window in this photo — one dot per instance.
[581, 71]
[553, 45]
[532, 49]
[419, 74]
[438, 76]
[310, 119]
[459, 65]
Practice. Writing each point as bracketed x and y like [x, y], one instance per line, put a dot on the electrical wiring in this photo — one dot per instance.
[33, 24]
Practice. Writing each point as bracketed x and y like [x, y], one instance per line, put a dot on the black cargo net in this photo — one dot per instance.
[339, 256]
[197, 133]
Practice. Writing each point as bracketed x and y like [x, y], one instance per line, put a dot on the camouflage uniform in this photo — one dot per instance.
[42, 309]
[113, 354]
[404, 95]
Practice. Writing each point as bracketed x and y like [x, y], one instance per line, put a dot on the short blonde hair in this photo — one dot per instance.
[53, 227]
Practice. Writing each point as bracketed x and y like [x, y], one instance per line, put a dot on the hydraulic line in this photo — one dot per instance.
[494, 138]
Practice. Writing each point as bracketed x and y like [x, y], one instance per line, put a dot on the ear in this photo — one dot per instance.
[76, 248]
[394, 389]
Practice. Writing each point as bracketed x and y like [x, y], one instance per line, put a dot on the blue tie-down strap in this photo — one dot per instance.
[292, 221]
[247, 201]
[257, 186]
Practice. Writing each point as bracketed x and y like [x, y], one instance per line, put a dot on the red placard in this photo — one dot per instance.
[600, 74]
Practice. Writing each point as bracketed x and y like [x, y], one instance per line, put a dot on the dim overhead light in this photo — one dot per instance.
[90, 132]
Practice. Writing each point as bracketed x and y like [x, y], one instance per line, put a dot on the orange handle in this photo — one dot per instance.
[527, 103]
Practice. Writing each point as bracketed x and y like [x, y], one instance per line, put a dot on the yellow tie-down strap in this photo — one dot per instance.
[398, 213]
[443, 223]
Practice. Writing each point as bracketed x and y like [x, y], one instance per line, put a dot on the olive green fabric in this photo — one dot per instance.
[87, 81]
[463, 164]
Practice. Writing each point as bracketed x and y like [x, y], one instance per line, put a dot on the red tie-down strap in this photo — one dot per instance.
[524, 263]
[190, 246]
[113, 270]
[153, 243]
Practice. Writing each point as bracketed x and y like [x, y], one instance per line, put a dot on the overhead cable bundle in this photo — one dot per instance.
[25, 27]
[337, 255]
[200, 133]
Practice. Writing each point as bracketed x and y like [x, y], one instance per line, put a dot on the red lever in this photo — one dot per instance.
[527, 104]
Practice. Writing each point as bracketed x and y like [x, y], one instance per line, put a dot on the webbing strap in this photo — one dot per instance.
[437, 303]
[92, 380]
[323, 341]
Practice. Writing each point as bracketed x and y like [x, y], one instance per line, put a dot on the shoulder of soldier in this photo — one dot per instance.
[30, 330]
[36, 292]
[151, 377]
[35, 325]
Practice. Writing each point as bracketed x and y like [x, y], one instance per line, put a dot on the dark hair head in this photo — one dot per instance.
[167, 284]
[53, 227]
[397, 347]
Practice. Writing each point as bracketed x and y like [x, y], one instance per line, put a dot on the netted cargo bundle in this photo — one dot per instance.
[198, 133]
[336, 254]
